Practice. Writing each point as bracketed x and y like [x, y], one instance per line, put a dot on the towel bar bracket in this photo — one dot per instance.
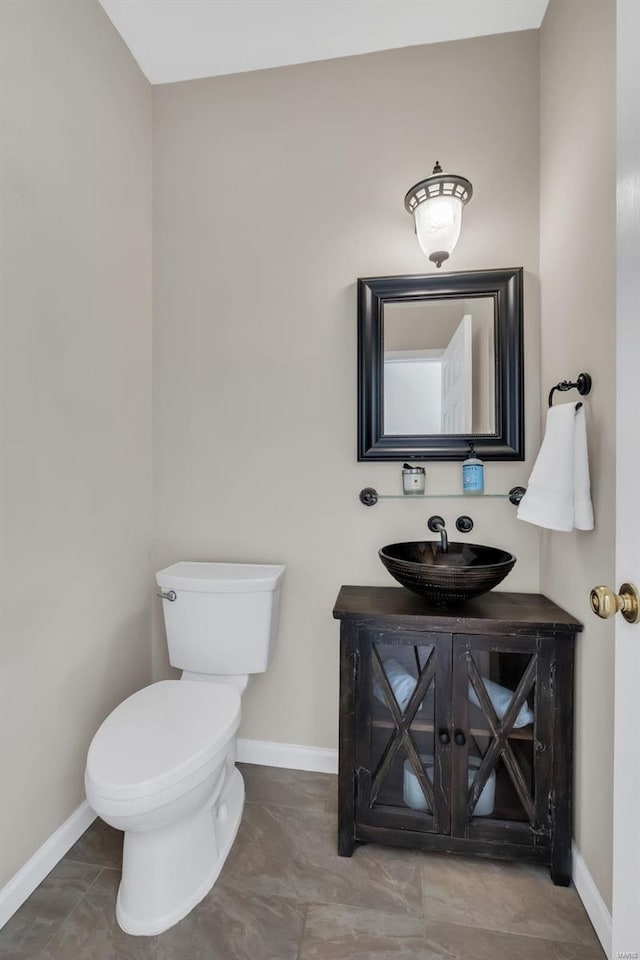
[582, 385]
[516, 494]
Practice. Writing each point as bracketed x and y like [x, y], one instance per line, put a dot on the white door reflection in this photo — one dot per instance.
[456, 413]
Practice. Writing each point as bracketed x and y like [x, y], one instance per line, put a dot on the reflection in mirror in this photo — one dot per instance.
[439, 367]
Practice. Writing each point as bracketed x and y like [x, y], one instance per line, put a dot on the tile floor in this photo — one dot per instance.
[285, 895]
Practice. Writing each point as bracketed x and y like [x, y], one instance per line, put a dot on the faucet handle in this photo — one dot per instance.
[464, 524]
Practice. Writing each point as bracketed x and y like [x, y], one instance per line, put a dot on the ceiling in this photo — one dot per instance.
[185, 39]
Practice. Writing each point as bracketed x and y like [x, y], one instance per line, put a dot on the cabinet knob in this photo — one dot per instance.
[459, 738]
[443, 737]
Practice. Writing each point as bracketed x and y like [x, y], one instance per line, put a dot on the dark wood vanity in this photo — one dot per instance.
[456, 725]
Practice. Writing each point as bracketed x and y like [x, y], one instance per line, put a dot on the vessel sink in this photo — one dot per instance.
[467, 570]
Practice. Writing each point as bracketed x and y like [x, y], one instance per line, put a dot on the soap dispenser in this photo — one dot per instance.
[472, 474]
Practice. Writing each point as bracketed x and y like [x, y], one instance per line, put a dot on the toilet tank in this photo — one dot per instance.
[220, 618]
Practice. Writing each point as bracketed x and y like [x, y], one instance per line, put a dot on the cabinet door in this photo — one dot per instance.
[502, 739]
[403, 718]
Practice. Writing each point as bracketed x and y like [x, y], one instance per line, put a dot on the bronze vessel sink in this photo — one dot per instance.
[466, 570]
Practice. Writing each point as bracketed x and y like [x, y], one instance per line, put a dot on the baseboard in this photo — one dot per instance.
[24, 882]
[290, 756]
[593, 903]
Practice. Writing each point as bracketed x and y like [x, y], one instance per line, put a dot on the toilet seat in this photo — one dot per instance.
[161, 736]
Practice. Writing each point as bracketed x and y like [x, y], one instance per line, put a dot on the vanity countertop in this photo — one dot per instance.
[519, 612]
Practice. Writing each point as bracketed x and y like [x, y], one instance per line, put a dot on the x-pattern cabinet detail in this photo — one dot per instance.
[456, 725]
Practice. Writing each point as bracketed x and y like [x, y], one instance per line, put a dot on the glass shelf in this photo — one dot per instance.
[443, 496]
[369, 496]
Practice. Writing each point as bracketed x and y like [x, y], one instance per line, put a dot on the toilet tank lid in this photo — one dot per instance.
[204, 577]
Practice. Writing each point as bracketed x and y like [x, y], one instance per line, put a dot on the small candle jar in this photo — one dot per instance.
[413, 480]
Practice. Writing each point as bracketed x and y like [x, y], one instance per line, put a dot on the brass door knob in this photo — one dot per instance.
[605, 603]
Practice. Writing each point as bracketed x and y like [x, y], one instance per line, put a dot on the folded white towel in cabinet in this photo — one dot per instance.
[403, 684]
[400, 681]
[558, 495]
[501, 697]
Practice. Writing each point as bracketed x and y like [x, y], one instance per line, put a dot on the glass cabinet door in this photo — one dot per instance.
[404, 751]
[502, 764]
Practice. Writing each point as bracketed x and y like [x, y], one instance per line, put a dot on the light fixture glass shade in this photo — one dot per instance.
[438, 225]
[436, 204]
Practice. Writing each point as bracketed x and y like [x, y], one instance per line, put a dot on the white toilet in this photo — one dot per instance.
[162, 765]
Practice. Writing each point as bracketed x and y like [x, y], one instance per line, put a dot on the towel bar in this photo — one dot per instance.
[582, 385]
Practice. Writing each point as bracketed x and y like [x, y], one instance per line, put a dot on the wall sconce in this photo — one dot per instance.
[436, 204]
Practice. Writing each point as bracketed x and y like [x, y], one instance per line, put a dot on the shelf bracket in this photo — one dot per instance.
[368, 496]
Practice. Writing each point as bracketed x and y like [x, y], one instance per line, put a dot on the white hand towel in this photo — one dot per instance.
[558, 495]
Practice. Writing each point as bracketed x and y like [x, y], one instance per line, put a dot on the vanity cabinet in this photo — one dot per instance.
[456, 725]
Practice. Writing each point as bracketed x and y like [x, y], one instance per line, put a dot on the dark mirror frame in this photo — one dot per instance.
[505, 286]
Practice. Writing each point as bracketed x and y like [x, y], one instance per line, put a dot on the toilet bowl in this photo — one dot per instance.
[162, 765]
[161, 768]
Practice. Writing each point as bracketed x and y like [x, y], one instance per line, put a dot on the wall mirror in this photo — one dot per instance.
[440, 366]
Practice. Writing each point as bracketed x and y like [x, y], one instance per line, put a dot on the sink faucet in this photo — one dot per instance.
[436, 525]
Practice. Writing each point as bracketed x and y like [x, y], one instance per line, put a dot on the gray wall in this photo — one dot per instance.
[578, 274]
[273, 192]
[76, 388]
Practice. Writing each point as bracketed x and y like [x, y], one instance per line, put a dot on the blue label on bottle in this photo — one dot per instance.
[473, 477]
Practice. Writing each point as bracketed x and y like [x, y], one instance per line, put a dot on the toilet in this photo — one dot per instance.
[162, 765]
